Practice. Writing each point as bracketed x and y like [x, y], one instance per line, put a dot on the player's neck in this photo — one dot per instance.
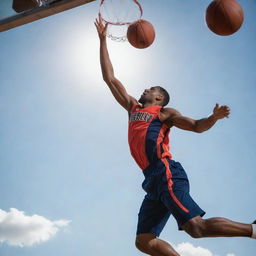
[149, 105]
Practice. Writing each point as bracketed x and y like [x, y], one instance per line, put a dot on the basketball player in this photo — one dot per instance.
[166, 182]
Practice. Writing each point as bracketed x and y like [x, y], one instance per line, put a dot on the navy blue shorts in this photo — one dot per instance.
[167, 187]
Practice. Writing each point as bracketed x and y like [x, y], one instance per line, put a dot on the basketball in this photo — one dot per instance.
[224, 17]
[141, 34]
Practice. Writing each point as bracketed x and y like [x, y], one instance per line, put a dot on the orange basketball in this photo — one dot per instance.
[224, 17]
[141, 34]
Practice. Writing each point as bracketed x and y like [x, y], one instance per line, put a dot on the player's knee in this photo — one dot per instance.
[195, 228]
[143, 242]
[140, 243]
[148, 244]
[196, 233]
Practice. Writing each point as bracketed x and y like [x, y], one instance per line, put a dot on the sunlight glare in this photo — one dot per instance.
[129, 64]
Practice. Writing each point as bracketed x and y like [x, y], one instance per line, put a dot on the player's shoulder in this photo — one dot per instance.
[167, 115]
[170, 111]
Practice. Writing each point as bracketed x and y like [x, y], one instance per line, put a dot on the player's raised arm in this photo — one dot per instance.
[186, 123]
[116, 87]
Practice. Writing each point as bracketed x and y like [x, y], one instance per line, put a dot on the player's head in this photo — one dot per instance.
[156, 94]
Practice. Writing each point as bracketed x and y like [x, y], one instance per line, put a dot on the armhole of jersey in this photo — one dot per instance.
[159, 114]
[162, 121]
[133, 108]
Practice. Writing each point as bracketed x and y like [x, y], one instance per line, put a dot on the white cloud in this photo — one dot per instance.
[188, 249]
[17, 229]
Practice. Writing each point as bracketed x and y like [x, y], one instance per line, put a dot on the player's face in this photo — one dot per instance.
[149, 95]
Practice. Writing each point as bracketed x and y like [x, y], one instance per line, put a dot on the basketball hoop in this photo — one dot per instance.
[119, 14]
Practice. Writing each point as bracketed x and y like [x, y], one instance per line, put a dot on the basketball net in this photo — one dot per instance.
[119, 14]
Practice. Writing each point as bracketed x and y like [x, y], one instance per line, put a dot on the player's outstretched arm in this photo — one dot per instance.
[189, 124]
[116, 87]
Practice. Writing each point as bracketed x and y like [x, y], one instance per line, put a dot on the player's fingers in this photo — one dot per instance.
[227, 113]
[224, 108]
[96, 23]
[106, 27]
[223, 111]
[99, 23]
[227, 107]
[215, 108]
[100, 18]
[97, 27]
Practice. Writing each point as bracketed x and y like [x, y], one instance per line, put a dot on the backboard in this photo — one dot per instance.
[27, 11]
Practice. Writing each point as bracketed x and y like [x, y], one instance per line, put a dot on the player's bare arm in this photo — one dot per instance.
[116, 87]
[172, 117]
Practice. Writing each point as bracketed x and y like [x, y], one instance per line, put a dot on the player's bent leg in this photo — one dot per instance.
[150, 244]
[216, 227]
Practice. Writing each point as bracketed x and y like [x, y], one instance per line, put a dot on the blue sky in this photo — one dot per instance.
[64, 153]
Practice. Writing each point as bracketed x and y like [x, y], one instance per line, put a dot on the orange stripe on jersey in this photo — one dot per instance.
[163, 142]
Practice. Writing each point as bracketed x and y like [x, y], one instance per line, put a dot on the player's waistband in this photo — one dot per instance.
[156, 167]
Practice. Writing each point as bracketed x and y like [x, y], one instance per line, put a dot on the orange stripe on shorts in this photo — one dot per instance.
[170, 183]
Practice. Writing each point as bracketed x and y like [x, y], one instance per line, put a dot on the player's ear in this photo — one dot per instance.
[159, 97]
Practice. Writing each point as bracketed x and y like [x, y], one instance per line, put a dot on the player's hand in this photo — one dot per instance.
[220, 112]
[101, 28]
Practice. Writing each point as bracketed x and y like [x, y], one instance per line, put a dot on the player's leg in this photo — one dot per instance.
[189, 215]
[152, 245]
[153, 216]
[217, 227]
[175, 194]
